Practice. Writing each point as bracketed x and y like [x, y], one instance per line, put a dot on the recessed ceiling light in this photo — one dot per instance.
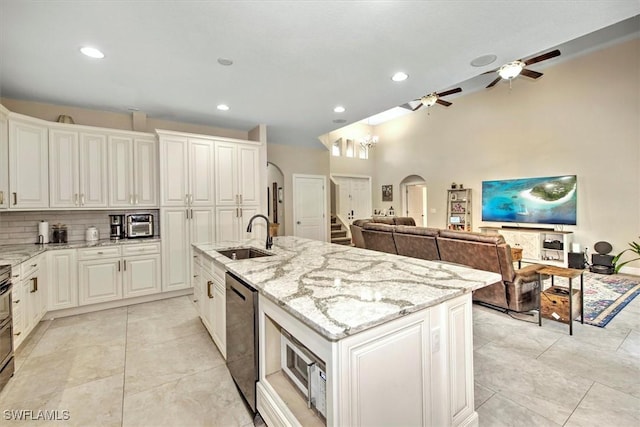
[92, 52]
[400, 76]
[223, 107]
[483, 60]
[225, 61]
[339, 109]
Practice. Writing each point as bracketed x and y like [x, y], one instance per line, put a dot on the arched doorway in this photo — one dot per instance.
[275, 199]
[414, 198]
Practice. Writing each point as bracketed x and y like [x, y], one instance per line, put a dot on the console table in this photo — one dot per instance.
[567, 273]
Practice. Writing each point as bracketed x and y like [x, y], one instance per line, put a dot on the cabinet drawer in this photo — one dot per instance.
[98, 253]
[29, 266]
[218, 271]
[148, 248]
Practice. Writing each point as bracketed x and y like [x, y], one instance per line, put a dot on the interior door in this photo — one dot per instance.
[309, 207]
[354, 198]
[417, 203]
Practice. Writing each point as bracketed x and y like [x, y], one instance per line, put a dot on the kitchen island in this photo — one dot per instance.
[394, 333]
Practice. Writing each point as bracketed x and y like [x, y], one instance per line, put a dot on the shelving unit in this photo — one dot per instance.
[459, 209]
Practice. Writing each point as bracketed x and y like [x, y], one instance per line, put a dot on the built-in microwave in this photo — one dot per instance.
[306, 371]
[139, 225]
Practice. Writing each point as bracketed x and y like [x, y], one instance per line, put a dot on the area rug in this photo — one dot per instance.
[604, 296]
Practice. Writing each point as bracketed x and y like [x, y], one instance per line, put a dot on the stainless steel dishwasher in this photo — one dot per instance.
[242, 336]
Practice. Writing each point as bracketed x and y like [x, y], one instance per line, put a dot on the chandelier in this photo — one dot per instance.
[369, 141]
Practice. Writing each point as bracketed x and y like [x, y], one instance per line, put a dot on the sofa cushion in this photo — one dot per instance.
[379, 227]
[416, 242]
[361, 222]
[384, 220]
[475, 254]
[404, 220]
[493, 238]
[379, 237]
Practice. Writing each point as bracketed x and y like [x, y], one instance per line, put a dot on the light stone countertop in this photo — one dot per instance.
[339, 290]
[17, 254]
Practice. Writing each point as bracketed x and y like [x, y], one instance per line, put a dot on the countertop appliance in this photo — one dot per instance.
[58, 233]
[306, 371]
[6, 326]
[242, 337]
[116, 222]
[92, 234]
[139, 225]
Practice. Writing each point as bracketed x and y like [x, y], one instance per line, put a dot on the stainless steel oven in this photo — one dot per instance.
[139, 225]
[6, 326]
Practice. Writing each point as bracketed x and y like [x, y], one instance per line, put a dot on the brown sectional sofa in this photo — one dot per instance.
[518, 289]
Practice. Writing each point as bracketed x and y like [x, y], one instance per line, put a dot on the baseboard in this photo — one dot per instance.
[630, 270]
[115, 304]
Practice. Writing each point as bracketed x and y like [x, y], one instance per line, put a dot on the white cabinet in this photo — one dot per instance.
[4, 159]
[77, 169]
[237, 174]
[176, 249]
[133, 173]
[112, 273]
[62, 289]
[231, 223]
[186, 171]
[211, 300]
[28, 164]
[29, 301]
[538, 245]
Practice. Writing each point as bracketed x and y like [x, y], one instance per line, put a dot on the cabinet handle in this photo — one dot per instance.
[135, 199]
[34, 265]
[100, 252]
[82, 199]
[190, 199]
[15, 199]
[35, 285]
[240, 210]
[130, 199]
[16, 301]
[17, 334]
[75, 199]
[125, 265]
[209, 294]
[240, 198]
[118, 265]
[186, 199]
[1, 197]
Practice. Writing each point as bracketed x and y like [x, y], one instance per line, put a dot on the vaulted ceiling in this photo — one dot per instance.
[293, 61]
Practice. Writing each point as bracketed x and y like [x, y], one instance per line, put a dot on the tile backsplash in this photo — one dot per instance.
[22, 227]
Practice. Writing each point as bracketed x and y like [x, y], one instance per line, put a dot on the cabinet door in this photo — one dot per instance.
[530, 244]
[226, 162]
[64, 189]
[4, 162]
[249, 171]
[227, 220]
[174, 167]
[196, 281]
[141, 275]
[175, 250]
[28, 165]
[120, 171]
[201, 224]
[34, 297]
[18, 308]
[100, 281]
[93, 170]
[62, 289]
[219, 332]
[207, 300]
[259, 227]
[201, 172]
[145, 171]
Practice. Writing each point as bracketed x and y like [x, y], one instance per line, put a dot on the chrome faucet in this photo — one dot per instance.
[269, 242]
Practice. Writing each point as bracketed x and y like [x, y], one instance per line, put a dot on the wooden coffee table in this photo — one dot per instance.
[567, 273]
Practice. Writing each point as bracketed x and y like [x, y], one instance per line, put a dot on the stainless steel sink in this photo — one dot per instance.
[243, 253]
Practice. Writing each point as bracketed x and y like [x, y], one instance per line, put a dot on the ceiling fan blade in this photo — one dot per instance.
[490, 71]
[419, 105]
[543, 57]
[530, 73]
[406, 106]
[443, 102]
[449, 92]
[493, 83]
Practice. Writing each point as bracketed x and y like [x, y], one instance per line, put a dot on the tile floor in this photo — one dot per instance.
[154, 365]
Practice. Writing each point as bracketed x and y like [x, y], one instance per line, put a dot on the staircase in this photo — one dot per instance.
[338, 234]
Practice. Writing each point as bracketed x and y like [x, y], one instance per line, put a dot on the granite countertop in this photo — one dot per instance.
[17, 254]
[340, 290]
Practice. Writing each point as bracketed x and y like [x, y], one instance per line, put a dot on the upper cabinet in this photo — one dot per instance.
[28, 164]
[133, 171]
[77, 169]
[186, 170]
[237, 174]
[4, 159]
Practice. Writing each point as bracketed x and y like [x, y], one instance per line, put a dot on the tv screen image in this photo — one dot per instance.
[544, 200]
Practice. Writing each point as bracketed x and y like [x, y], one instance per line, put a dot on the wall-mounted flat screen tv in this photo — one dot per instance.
[545, 200]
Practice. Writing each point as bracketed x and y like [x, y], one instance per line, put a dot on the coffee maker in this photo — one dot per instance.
[117, 227]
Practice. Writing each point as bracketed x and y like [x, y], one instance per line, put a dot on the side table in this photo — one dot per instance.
[516, 255]
[567, 273]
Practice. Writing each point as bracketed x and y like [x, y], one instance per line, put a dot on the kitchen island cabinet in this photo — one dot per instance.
[394, 333]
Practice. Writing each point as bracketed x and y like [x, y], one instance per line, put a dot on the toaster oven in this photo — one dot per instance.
[139, 225]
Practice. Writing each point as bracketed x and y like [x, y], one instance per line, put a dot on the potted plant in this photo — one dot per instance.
[635, 248]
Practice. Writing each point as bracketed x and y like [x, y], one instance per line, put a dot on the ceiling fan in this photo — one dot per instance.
[513, 69]
[433, 98]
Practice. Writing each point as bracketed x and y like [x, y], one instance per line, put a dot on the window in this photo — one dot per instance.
[363, 152]
[350, 148]
[336, 148]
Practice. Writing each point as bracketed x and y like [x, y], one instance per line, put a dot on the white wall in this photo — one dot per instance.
[581, 117]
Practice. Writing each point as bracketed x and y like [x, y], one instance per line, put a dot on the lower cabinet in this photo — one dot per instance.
[209, 294]
[29, 301]
[100, 280]
[63, 279]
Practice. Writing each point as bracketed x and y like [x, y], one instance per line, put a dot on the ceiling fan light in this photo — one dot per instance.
[511, 70]
[429, 100]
